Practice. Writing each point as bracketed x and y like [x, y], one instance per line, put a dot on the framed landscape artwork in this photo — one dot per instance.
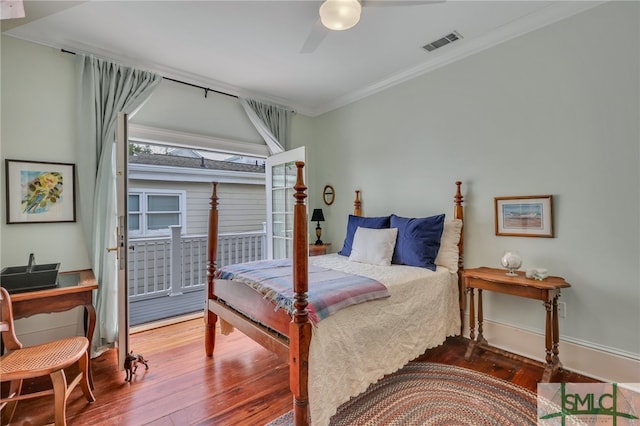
[527, 216]
[40, 192]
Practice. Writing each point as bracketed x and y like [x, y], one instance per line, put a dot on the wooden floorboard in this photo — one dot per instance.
[242, 384]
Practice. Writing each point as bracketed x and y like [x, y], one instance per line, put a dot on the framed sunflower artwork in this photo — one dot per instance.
[40, 192]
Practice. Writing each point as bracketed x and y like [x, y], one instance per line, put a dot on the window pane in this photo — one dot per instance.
[159, 203]
[277, 178]
[134, 222]
[280, 248]
[289, 200]
[291, 174]
[279, 200]
[134, 203]
[279, 225]
[162, 220]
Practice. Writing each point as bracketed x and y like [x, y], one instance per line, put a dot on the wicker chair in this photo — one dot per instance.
[47, 359]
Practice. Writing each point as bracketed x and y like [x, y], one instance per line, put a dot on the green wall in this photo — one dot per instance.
[38, 123]
[551, 112]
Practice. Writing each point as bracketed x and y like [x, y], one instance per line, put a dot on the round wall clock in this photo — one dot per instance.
[328, 194]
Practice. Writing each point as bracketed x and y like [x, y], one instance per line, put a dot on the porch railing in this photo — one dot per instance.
[177, 264]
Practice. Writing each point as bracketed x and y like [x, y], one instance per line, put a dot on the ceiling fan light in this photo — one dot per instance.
[340, 14]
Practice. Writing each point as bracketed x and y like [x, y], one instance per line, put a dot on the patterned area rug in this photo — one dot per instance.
[425, 393]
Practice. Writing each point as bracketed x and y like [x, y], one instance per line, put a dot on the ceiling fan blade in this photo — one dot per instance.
[315, 37]
[392, 3]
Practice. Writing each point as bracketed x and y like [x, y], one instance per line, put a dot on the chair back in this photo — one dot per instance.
[9, 337]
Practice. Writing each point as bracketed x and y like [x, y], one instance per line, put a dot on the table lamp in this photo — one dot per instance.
[318, 217]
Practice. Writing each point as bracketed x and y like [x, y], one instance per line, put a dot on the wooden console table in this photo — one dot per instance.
[74, 289]
[547, 290]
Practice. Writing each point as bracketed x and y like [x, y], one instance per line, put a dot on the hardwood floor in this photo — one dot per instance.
[242, 384]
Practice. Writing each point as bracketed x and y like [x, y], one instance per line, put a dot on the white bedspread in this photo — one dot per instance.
[359, 345]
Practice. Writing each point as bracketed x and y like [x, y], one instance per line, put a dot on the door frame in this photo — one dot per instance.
[122, 151]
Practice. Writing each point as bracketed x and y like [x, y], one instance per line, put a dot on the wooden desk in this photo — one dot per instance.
[547, 290]
[75, 289]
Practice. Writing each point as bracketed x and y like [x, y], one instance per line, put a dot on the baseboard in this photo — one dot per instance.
[589, 361]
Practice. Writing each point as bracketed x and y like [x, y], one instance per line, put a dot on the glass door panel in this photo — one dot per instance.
[281, 177]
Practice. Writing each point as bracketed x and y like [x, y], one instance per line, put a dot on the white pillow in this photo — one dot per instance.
[448, 252]
[373, 246]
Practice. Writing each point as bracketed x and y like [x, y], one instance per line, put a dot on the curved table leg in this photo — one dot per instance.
[89, 327]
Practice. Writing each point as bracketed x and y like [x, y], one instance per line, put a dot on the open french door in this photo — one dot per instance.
[280, 178]
[122, 144]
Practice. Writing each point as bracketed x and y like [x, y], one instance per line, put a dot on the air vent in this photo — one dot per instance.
[449, 38]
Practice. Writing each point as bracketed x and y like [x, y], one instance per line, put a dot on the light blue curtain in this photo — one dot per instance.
[271, 121]
[104, 90]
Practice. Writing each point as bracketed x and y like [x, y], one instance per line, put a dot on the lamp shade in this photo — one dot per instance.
[340, 14]
[317, 216]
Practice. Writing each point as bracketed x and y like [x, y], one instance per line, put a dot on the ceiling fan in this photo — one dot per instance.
[339, 15]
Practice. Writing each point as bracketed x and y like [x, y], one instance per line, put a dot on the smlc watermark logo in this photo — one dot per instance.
[616, 404]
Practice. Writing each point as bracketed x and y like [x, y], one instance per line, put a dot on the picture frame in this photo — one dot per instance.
[524, 216]
[40, 192]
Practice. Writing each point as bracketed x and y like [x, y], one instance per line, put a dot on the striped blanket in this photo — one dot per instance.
[329, 290]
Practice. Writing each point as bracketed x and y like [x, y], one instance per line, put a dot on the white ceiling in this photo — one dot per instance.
[253, 48]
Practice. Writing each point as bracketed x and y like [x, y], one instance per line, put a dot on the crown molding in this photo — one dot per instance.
[556, 11]
[540, 19]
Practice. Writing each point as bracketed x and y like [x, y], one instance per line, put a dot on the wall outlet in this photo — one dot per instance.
[562, 309]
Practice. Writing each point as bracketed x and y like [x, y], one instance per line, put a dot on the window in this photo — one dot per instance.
[151, 212]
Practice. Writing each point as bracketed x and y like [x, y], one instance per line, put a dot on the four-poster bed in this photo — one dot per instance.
[347, 351]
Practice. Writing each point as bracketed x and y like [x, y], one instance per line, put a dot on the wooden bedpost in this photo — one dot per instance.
[300, 327]
[458, 214]
[357, 204]
[210, 318]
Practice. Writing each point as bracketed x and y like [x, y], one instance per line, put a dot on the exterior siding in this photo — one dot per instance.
[242, 207]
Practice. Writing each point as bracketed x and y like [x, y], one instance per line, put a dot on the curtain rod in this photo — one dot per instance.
[206, 89]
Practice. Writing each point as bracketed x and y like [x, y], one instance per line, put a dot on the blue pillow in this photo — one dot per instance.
[363, 222]
[418, 240]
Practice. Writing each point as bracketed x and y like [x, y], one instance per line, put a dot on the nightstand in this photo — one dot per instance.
[318, 249]
[547, 290]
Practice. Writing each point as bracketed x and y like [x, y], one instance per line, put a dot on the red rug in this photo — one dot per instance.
[424, 393]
